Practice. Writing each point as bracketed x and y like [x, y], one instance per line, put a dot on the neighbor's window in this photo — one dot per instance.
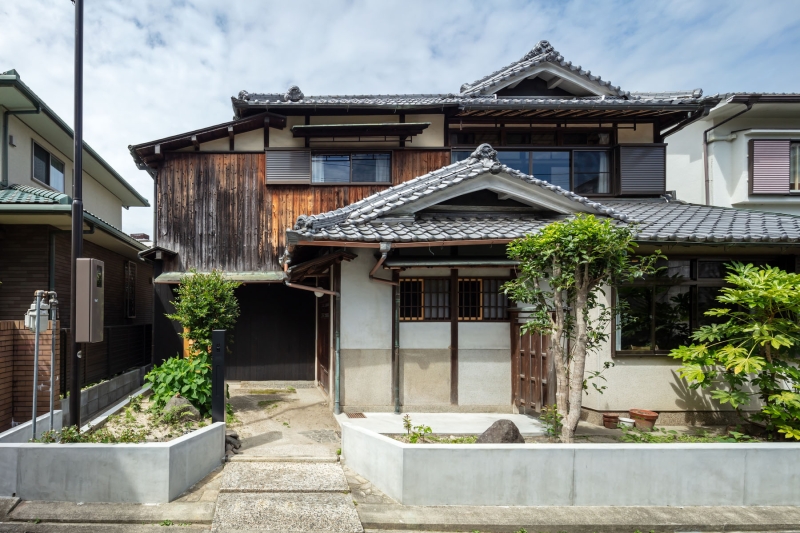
[428, 299]
[351, 168]
[794, 167]
[130, 290]
[47, 169]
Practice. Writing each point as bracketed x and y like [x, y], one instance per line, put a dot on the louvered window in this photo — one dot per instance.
[288, 167]
[642, 169]
[770, 166]
[794, 167]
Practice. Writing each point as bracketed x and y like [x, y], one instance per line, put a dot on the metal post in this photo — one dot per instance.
[36, 359]
[53, 331]
[218, 375]
[77, 217]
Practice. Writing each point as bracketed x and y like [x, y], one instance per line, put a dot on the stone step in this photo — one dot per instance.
[281, 459]
[331, 512]
[283, 477]
[130, 513]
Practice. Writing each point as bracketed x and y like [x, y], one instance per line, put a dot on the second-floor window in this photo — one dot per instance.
[581, 171]
[351, 168]
[794, 167]
[48, 169]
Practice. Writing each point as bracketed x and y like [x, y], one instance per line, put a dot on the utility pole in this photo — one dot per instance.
[77, 218]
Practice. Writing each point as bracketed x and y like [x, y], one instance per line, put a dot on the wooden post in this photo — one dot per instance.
[454, 336]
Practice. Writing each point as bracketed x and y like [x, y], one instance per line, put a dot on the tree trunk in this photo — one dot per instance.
[577, 361]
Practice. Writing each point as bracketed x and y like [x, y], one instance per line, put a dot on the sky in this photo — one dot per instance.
[155, 68]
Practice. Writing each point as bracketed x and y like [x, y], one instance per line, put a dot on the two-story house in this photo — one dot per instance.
[369, 233]
[36, 175]
[743, 152]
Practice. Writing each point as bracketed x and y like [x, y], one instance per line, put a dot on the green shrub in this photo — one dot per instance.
[205, 302]
[191, 378]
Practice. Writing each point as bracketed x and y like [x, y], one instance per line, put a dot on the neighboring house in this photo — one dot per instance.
[751, 157]
[396, 204]
[35, 249]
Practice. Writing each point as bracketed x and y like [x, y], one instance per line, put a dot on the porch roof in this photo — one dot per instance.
[268, 276]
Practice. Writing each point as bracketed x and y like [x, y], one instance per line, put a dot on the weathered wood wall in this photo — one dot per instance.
[216, 210]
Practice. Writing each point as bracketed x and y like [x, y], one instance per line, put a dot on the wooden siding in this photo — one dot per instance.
[769, 166]
[216, 210]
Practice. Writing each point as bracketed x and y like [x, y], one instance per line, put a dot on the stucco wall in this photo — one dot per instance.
[432, 136]
[484, 363]
[642, 134]
[366, 335]
[425, 358]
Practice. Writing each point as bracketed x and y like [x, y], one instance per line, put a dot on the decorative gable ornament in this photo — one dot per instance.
[294, 94]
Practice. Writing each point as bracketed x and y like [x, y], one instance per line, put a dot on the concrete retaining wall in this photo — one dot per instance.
[23, 433]
[575, 474]
[98, 397]
[133, 473]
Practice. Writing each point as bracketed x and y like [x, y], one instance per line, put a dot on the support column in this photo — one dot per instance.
[454, 336]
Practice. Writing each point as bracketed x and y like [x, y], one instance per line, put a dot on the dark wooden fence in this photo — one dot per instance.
[123, 347]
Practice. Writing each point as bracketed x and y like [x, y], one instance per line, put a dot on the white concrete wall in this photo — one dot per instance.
[685, 163]
[366, 335]
[97, 199]
[132, 473]
[575, 474]
[24, 433]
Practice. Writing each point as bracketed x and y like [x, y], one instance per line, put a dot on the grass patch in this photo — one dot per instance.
[439, 439]
[271, 391]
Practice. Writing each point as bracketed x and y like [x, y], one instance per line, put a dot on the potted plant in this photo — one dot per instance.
[644, 419]
[610, 420]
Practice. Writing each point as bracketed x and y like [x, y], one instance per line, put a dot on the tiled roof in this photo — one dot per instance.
[680, 221]
[542, 53]
[23, 194]
[357, 220]
[385, 216]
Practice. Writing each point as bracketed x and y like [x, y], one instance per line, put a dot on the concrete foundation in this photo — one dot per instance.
[24, 432]
[575, 474]
[119, 473]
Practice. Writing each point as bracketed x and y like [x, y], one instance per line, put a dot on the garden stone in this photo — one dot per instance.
[501, 432]
[182, 408]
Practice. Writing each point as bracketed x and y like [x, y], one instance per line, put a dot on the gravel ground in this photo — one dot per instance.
[283, 477]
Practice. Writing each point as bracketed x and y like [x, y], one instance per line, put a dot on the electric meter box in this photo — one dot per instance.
[89, 300]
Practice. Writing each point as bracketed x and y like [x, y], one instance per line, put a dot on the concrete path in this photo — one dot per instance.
[288, 477]
[445, 423]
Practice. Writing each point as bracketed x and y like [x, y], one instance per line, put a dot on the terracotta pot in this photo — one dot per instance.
[610, 421]
[644, 419]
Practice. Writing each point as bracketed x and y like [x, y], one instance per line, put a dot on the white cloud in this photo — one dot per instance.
[155, 68]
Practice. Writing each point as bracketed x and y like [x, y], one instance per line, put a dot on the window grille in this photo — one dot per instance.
[495, 303]
[428, 299]
[411, 299]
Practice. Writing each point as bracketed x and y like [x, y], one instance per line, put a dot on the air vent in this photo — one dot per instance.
[355, 415]
[288, 167]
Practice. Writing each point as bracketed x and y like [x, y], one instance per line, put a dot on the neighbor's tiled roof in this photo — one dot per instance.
[23, 194]
[680, 221]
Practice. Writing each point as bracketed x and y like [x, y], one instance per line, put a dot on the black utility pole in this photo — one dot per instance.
[77, 217]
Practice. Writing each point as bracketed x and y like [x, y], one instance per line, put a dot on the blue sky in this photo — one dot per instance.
[156, 68]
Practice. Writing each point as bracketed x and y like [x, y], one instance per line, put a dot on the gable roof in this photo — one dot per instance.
[395, 213]
[543, 55]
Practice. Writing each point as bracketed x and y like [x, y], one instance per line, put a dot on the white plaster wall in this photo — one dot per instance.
[97, 199]
[432, 136]
[425, 363]
[685, 163]
[642, 134]
[484, 363]
[354, 119]
[366, 335]
[284, 138]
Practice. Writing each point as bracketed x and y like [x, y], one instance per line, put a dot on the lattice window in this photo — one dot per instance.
[470, 298]
[428, 299]
[411, 293]
[495, 303]
[130, 289]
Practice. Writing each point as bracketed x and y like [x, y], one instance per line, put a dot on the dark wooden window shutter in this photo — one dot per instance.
[643, 169]
[288, 167]
[769, 166]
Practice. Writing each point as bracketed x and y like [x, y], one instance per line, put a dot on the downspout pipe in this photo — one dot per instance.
[748, 107]
[337, 329]
[4, 179]
[385, 248]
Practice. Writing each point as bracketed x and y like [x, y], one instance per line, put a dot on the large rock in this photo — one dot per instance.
[179, 408]
[502, 432]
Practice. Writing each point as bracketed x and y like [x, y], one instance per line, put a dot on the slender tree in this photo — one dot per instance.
[562, 274]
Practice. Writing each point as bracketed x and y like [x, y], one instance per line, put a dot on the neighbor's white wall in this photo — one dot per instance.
[728, 164]
[366, 335]
[97, 199]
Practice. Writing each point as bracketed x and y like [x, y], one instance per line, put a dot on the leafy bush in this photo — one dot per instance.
[71, 435]
[661, 435]
[191, 378]
[205, 302]
[753, 352]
